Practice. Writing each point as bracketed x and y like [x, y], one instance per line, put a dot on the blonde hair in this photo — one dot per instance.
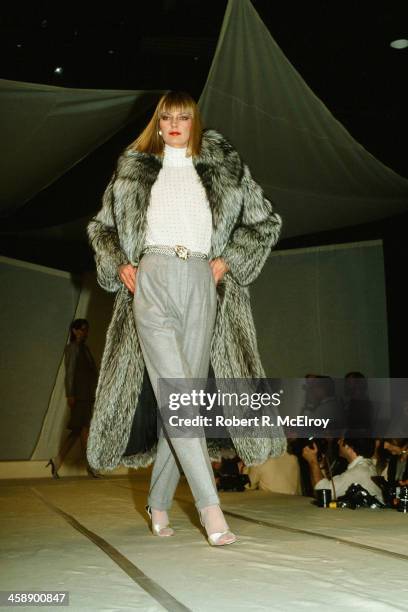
[149, 141]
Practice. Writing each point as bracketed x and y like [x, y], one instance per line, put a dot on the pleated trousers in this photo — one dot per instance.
[174, 307]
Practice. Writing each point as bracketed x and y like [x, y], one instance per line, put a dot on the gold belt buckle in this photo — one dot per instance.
[181, 251]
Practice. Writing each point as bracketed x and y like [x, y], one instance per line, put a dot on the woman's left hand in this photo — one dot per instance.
[219, 268]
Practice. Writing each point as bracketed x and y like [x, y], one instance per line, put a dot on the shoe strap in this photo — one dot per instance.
[214, 537]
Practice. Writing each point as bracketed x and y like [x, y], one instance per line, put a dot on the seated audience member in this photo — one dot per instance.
[358, 452]
[295, 447]
[380, 458]
[277, 474]
[358, 407]
[397, 472]
[319, 402]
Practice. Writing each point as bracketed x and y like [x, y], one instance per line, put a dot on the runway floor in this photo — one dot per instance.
[91, 538]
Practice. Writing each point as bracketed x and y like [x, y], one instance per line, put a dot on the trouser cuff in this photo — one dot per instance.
[158, 505]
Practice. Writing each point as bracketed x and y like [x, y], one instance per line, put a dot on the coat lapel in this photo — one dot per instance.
[138, 172]
[220, 169]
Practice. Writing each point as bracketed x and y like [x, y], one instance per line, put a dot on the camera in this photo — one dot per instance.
[297, 445]
[403, 500]
[395, 496]
[357, 496]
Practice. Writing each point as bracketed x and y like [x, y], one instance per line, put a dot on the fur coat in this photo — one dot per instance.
[245, 228]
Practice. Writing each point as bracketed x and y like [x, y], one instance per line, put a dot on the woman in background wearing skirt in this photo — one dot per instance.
[81, 377]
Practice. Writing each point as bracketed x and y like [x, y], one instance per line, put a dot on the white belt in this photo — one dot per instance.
[178, 250]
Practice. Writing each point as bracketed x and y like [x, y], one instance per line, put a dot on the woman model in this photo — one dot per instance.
[81, 377]
[182, 231]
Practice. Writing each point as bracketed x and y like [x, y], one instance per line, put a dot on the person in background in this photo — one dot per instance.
[320, 402]
[277, 474]
[81, 377]
[397, 472]
[358, 452]
[323, 402]
[357, 405]
[308, 403]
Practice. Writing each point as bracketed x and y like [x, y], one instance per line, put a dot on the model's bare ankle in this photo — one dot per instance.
[160, 517]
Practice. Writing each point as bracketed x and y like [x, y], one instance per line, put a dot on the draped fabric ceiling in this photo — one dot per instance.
[46, 130]
[317, 175]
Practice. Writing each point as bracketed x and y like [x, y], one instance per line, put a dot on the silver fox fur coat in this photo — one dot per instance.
[245, 228]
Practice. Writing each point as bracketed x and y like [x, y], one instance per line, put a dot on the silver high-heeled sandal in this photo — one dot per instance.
[214, 539]
[159, 530]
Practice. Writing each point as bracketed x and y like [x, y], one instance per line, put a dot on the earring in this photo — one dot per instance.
[160, 132]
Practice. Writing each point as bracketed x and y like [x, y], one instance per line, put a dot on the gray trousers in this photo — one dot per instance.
[174, 307]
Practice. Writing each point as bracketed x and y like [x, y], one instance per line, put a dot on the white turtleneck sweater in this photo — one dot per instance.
[179, 212]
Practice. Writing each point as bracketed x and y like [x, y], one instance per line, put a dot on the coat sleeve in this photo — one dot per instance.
[103, 237]
[256, 232]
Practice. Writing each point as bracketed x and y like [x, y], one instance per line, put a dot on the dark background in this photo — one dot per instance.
[341, 49]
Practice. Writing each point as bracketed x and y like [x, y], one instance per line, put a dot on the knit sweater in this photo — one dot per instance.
[179, 212]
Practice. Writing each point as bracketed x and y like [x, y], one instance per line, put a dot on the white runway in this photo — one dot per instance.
[91, 538]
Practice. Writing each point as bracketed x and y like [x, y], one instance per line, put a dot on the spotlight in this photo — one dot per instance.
[58, 70]
[401, 43]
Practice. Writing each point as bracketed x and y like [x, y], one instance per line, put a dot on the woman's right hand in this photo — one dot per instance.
[127, 274]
